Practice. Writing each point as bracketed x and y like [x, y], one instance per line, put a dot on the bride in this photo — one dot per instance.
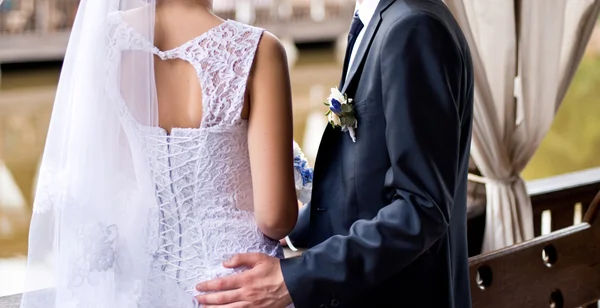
[169, 151]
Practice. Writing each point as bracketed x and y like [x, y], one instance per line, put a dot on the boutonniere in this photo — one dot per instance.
[341, 112]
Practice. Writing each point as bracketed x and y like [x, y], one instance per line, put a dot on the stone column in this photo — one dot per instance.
[244, 11]
[317, 10]
[274, 13]
[42, 15]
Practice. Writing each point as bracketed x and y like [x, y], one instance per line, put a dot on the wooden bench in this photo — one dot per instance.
[560, 269]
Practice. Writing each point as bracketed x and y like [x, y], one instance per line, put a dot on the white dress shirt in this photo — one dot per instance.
[365, 13]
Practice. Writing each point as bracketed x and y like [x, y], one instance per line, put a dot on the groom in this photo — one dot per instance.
[387, 223]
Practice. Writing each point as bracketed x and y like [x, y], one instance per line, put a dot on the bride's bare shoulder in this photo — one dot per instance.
[270, 49]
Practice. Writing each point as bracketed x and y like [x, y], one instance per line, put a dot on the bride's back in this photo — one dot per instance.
[179, 90]
[221, 155]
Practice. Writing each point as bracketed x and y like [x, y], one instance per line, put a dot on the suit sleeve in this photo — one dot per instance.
[419, 64]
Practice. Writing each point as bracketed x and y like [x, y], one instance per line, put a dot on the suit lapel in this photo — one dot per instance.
[365, 43]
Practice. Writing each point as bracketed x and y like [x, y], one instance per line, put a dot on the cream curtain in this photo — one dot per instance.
[525, 54]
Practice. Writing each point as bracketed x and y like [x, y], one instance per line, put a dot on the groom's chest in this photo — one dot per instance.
[366, 89]
[337, 150]
[364, 74]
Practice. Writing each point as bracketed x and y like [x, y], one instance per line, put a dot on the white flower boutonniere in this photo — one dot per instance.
[341, 112]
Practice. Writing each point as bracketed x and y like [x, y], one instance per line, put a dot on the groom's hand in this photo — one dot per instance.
[261, 286]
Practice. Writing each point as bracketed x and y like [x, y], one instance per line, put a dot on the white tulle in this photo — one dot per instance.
[125, 214]
[94, 194]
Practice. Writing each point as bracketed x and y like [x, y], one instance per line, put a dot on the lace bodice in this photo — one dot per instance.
[201, 175]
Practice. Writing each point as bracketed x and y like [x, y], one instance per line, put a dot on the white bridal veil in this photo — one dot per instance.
[94, 193]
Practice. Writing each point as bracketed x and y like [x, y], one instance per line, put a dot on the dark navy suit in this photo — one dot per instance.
[387, 223]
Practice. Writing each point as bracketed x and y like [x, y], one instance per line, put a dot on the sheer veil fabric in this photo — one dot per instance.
[95, 194]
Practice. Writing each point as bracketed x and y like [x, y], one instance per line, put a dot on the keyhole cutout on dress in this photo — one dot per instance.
[176, 97]
[179, 94]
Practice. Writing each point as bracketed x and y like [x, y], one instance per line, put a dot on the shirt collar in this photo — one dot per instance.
[366, 10]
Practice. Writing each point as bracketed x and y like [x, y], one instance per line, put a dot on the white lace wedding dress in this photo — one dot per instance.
[201, 175]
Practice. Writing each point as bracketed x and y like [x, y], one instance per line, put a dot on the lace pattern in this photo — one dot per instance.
[98, 253]
[201, 175]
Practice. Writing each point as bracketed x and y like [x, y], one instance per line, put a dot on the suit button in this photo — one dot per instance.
[335, 303]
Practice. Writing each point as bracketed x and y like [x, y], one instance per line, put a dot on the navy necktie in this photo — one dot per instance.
[355, 29]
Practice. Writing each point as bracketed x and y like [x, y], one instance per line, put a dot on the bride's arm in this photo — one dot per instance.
[270, 139]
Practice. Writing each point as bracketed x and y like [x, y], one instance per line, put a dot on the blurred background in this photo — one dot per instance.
[33, 37]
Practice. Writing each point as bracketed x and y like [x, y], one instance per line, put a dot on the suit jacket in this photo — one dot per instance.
[387, 223]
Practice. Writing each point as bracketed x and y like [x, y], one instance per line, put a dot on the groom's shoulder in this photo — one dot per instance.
[407, 11]
[433, 15]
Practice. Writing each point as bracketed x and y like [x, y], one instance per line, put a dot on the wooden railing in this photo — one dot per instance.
[558, 202]
[562, 200]
[559, 270]
[561, 266]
